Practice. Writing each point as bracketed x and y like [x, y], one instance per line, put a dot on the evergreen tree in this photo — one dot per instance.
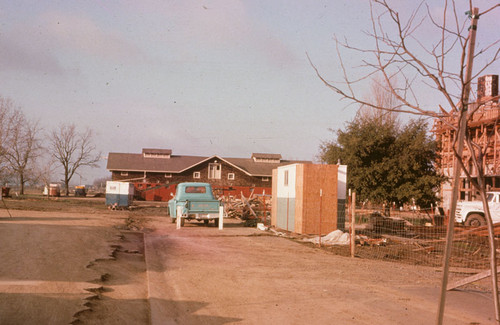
[386, 162]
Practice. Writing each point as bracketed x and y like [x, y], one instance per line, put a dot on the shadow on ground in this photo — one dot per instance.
[185, 312]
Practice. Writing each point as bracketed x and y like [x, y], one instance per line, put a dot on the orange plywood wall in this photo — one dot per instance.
[313, 180]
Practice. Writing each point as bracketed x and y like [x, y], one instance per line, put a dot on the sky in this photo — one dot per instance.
[205, 78]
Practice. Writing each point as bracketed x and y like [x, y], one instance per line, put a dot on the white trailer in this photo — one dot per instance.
[119, 194]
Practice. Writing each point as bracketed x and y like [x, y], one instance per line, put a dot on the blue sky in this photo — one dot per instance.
[198, 77]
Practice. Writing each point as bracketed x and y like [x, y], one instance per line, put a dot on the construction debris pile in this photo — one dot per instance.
[253, 210]
[381, 224]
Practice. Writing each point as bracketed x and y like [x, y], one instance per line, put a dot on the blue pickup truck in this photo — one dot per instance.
[197, 202]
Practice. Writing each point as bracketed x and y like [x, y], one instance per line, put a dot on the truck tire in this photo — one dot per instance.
[475, 220]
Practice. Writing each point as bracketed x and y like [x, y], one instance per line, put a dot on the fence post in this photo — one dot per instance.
[221, 217]
[178, 217]
[320, 203]
[353, 219]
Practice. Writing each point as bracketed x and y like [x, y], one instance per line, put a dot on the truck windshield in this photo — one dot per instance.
[195, 189]
[490, 197]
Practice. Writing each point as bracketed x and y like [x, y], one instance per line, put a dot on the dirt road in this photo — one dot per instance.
[94, 267]
[201, 275]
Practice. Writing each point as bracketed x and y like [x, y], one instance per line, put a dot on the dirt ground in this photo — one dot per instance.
[73, 261]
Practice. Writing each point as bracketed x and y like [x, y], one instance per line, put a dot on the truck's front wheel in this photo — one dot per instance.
[475, 220]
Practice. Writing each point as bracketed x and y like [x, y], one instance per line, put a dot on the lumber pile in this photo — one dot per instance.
[461, 234]
[381, 224]
[477, 231]
[252, 210]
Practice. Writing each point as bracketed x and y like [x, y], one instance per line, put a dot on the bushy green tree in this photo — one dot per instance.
[386, 162]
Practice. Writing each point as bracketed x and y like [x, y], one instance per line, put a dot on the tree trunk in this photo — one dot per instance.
[493, 257]
[21, 181]
[66, 183]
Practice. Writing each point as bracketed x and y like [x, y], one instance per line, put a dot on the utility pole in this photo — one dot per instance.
[462, 128]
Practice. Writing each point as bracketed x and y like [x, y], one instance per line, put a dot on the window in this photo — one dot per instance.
[155, 155]
[265, 179]
[168, 175]
[195, 189]
[285, 180]
[196, 175]
[124, 173]
[230, 176]
[214, 171]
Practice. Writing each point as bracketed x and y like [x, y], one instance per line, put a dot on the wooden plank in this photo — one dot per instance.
[330, 198]
[353, 225]
[479, 231]
[243, 198]
[463, 270]
[309, 202]
[469, 279]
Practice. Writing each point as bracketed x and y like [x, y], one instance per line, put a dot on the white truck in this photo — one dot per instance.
[471, 213]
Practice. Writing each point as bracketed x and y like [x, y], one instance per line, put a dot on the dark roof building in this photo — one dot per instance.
[161, 166]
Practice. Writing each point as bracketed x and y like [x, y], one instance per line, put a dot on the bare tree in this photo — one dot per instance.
[100, 183]
[44, 172]
[8, 116]
[73, 150]
[19, 143]
[24, 147]
[380, 97]
[440, 62]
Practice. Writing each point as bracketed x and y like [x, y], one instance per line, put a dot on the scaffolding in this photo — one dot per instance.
[484, 129]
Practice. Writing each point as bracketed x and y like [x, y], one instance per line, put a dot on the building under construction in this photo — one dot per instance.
[484, 130]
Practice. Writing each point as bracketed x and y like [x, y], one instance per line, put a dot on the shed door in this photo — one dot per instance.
[286, 198]
[286, 213]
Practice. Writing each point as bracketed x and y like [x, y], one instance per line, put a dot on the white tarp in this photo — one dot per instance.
[336, 237]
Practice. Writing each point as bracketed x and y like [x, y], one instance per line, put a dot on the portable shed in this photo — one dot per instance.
[119, 194]
[306, 198]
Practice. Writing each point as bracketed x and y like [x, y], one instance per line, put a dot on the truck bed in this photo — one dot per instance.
[202, 207]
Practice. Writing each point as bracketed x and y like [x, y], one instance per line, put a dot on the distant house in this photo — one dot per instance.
[159, 168]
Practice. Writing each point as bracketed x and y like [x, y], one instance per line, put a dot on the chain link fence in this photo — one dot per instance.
[417, 237]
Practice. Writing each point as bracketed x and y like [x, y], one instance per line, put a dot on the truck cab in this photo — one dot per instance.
[471, 213]
[196, 201]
